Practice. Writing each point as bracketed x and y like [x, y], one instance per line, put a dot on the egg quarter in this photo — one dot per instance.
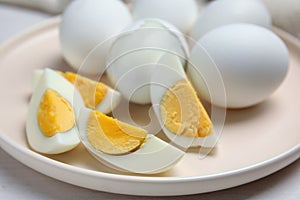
[95, 94]
[60, 141]
[182, 116]
[111, 136]
[151, 156]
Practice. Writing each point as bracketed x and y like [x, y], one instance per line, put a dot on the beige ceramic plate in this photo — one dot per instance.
[255, 142]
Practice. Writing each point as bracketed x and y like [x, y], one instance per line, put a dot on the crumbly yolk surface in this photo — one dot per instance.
[92, 92]
[55, 114]
[183, 113]
[111, 136]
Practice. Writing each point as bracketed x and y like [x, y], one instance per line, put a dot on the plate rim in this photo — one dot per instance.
[6, 144]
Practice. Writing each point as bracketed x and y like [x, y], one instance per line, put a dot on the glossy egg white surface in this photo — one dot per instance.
[154, 156]
[136, 52]
[252, 61]
[180, 13]
[87, 30]
[223, 12]
[61, 142]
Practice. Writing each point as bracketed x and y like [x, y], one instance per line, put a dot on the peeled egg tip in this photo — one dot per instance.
[111, 136]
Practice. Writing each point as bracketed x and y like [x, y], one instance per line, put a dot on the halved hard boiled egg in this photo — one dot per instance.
[182, 116]
[51, 120]
[123, 146]
[96, 95]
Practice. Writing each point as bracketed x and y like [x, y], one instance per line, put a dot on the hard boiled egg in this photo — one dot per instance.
[51, 120]
[96, 95]
[252, 61]
[182, 116]
[87, 30]
[134, 54]
[181, 13]
[223, 12]
[123, 146]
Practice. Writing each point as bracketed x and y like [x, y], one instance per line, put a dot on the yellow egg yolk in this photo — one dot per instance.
[55, 114]
[92, 92]
[111, 136]
[183, 113]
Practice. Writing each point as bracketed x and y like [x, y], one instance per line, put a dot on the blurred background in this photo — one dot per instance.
[285, 13]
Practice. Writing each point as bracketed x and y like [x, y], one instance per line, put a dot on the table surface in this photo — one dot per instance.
[20, 182]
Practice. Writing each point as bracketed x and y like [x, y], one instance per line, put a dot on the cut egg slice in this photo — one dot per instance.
[123, 146]
[96, 95]
[51, 120]
[182, 116]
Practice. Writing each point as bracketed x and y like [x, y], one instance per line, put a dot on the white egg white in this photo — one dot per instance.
[109, 102]
[154, 156]
[252, 62]
[180, 13]
[164, 77]
[87, 30]
[136, 52]
[61, 142]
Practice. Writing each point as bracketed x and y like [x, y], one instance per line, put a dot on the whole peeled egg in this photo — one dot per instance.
[223, 12]
[180, 13]
[90, 25]
[252, 61]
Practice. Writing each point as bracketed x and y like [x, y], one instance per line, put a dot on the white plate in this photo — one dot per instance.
[255, 142]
